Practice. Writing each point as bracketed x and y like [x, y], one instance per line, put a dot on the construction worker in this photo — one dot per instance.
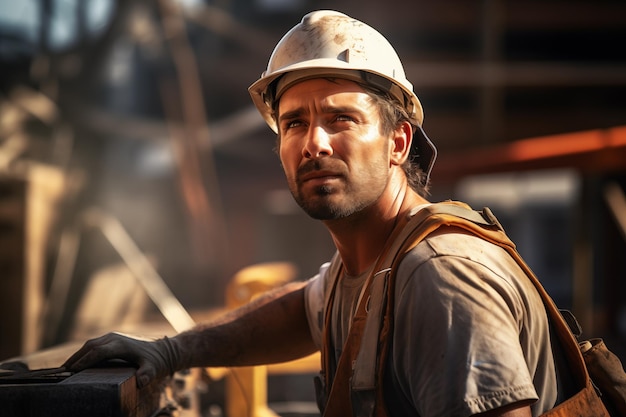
[467, 333]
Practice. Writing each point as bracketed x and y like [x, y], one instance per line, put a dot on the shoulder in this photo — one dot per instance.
[460, 255]
[465, 272]
[454, 243]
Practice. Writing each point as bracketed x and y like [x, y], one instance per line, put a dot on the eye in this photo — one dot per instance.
[291, 124]
[344, 118]
[292, 127]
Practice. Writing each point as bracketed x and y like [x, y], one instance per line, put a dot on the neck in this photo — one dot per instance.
[361, 237]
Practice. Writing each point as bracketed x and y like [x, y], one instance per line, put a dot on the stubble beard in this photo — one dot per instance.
[324, 202]
[341, 199]
[320, 206]
[329, 202]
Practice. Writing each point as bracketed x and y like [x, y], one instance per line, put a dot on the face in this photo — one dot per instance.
[334, 156]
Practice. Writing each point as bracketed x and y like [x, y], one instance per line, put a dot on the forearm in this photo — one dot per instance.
[272, 328]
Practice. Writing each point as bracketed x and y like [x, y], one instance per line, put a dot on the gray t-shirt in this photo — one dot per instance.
[470, 333]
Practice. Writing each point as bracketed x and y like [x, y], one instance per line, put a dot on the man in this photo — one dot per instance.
[470, 334]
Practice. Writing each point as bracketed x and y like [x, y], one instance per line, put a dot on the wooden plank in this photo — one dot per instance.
[12, 263]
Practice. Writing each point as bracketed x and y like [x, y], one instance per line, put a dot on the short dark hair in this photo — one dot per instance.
[392, 114]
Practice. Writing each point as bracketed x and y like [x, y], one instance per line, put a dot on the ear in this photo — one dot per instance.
[401, 143]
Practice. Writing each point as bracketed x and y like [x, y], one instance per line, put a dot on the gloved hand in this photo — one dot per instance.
[155, 359]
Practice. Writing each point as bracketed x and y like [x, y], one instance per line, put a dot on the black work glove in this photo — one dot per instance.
[154, 359]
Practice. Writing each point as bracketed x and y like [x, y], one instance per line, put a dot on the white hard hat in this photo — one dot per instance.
[329, 43]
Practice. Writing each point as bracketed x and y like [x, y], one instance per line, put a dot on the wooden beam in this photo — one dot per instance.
[598, 151]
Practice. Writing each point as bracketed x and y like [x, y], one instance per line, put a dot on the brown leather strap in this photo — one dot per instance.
[585, 403]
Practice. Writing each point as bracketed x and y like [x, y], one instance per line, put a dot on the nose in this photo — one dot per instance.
[317, 143]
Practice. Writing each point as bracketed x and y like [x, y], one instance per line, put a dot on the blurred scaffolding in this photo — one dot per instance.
[112, 197]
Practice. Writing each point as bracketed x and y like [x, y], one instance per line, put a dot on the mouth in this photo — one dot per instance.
[319, 177]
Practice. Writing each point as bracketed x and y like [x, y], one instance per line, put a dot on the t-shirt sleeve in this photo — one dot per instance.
[314, 299]
[456, 336]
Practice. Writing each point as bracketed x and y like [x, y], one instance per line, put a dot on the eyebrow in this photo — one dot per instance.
[292, 114]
